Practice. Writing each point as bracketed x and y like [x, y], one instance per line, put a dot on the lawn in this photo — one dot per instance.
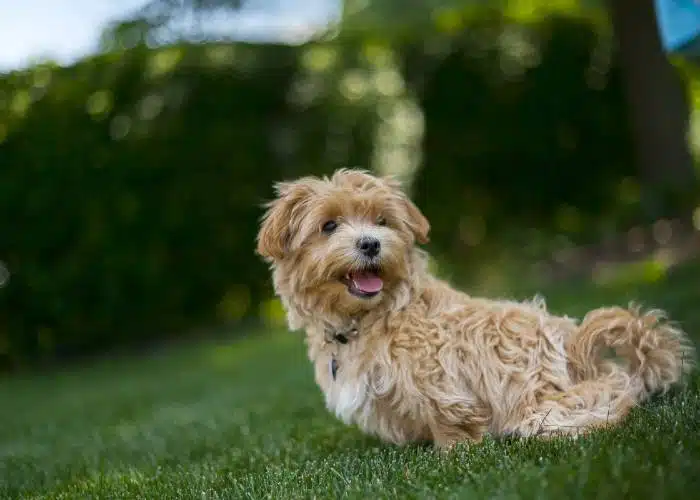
[243, 419]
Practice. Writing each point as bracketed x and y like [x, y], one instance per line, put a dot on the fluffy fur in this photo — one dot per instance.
[426, 362]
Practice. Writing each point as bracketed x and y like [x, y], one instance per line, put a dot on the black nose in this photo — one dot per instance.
[368, 246]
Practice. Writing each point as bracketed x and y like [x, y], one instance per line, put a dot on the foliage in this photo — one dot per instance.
[167, 21]
[132, 182]
[399, 16]
[245, 420]
[543, 146]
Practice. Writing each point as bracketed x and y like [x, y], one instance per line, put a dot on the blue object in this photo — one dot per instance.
[679, 26]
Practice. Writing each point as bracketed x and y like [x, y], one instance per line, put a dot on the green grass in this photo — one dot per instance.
[243, 419]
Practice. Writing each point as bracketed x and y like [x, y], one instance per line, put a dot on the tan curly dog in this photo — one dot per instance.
[406, 357]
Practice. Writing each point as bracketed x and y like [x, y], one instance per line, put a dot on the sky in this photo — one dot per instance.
[67, 30]
[679, 21]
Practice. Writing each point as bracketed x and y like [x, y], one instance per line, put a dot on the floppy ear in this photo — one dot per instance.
[282, 219]
[415, 220]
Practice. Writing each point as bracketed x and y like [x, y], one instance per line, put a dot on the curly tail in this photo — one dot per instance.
[655, 354]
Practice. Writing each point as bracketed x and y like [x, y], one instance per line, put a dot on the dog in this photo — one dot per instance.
[407, 358]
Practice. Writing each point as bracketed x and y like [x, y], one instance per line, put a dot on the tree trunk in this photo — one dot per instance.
[658, 104]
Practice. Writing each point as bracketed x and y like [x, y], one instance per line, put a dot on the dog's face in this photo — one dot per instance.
[340, 245]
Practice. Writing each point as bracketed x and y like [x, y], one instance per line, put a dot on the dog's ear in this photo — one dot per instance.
[282, 219]
[414, 218]
[417, 221]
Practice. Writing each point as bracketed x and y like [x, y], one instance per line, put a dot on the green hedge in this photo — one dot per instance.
[131, 183]
[130, 192]
[531, 151]
[544, 145]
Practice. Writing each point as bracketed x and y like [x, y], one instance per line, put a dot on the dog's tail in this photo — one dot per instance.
[655, 354]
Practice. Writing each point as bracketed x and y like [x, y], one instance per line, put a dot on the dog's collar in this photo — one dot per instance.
[339, 337]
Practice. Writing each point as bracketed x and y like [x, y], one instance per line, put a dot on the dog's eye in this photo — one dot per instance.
[381, 221]
[329, 226]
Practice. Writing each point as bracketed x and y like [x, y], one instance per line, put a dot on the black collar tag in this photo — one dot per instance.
[334, 367]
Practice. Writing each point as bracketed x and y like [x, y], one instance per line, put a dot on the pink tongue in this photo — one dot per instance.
[367, 282]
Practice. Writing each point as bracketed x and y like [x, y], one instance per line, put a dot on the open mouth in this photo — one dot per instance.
[364, 283]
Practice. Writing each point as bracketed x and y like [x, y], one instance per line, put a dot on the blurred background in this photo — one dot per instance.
[545, 141]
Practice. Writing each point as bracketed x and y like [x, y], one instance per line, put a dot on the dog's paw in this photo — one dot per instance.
[508, 436]
[445, 447]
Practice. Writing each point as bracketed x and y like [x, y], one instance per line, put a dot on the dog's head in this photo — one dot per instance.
[340, 245]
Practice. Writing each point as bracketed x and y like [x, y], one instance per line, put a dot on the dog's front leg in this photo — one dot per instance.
[446, 436]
